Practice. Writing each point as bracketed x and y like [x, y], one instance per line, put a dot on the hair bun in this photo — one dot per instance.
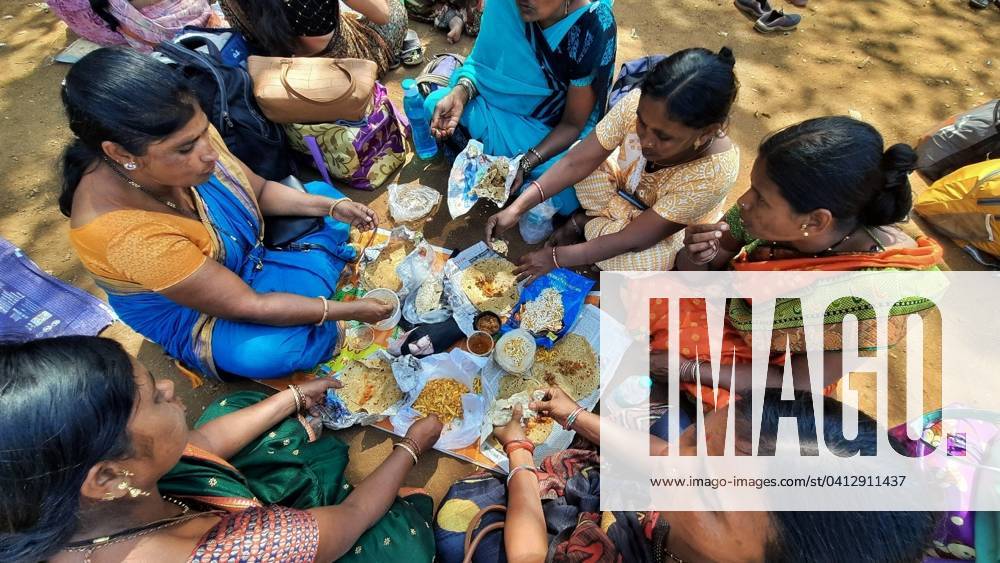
[892, 203]
[726, 56]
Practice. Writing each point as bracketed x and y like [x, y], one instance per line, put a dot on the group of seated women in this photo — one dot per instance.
[97, 462]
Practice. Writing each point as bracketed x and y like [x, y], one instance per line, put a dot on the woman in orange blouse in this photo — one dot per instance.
[170, 224]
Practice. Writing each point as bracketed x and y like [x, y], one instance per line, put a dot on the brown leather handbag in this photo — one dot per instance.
[312, 89]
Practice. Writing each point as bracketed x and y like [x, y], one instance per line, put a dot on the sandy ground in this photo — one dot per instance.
[903, 65]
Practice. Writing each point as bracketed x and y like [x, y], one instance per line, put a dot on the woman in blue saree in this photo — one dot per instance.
[170, 224]
[536, 82]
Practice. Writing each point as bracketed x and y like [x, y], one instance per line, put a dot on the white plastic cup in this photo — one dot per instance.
[387, 296]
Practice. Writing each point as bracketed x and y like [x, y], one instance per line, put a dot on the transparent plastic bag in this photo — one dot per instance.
[415, 270]
[409, 203]
[460, 366]
[469, 168]
[536, 224]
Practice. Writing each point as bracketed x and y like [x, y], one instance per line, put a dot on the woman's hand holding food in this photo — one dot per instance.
[447, 113]
[499, 223]
[371, 310]
[314, 391]
[556, 404]
[512, 431]
[534, 265]
[703, 242]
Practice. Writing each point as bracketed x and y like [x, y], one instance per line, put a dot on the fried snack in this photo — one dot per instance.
[429, 295]
[493, 183]
[477, 385]
[501, 247]
[517, 350]
[544, 313]
[570, 364]
[369, 386]
[442, 397]
[382, 271]
[490, 284]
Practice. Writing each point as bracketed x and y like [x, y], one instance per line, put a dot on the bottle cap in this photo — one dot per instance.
[409, 84]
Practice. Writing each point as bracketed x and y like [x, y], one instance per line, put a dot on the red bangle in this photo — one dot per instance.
[554, 261]
[538, 186]
[511, 447]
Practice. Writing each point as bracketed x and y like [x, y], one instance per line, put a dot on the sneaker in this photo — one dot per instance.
[777, 20]
[753, 8]
[979, 4]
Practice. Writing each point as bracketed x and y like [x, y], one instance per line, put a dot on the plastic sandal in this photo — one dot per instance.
[412, 53]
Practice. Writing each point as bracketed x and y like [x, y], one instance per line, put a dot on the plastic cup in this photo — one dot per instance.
[477, 337]
[506, 362]
[390, 297]
[359, 337]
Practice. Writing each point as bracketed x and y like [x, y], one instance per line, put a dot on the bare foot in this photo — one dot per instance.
[456, 25]
[568, 233]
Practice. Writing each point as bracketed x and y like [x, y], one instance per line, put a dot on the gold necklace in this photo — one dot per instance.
[125, 178]
[89, 546]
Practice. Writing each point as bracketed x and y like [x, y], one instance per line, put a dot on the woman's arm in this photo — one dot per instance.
[640, 234]
[341, 525]
[227, 435]
[579, 162]
[216, 291]
[833, 367]
[707, 247]
[276, 199]
[377, 11]
[580, 102]
[525, 537]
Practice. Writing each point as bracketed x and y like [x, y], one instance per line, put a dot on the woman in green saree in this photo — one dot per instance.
[107, 470]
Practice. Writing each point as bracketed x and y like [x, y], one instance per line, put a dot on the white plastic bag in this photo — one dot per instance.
[411, 202]
[460, 366]
[536, 224]
[335, 414]
[413, 272]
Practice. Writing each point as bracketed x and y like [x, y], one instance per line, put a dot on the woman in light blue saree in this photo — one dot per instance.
[536, 82]
[171, 226]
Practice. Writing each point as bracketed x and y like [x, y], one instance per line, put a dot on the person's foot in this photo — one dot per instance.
[753, 8]
[777, 20]
[569, 233]
[455, 27]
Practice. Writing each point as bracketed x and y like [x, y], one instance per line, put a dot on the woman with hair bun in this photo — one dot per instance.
[824, 194]
[660, 160]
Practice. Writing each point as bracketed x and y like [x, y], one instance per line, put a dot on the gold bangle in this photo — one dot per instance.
[335, 204]
[326, 309]
[554, 260]
[538, 187]
[297, 395]
[413, 445]
[408, 449]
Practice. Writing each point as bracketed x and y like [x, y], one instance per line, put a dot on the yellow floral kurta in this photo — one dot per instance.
[689, 193]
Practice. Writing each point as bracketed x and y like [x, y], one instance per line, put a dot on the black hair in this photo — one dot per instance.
[265, 24]
[117, 94]
[65, 404]
[837, 163]
[103, 10]
[862, 536]
[697, 85]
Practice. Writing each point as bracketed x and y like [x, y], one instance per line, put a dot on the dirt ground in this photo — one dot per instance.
[902, 65]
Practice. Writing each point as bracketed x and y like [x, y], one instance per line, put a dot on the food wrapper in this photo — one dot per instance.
[589, 327]
[460, 366]
[416, 269]
[410, 203]
[334, 412]
[469, 169]
[572, 289]
[463, 309]
[400, 236]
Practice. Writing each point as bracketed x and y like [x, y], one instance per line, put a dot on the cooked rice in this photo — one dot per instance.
[493, 183]
[543, 314]
[491, 285]
[442, 397]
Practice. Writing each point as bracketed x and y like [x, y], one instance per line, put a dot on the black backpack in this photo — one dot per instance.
[226, 94]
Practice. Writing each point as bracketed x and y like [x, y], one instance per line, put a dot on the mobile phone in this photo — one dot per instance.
[633, 200]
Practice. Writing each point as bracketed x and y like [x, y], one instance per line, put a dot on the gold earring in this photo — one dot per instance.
[805, 233]
[133, 492]
[109, 497]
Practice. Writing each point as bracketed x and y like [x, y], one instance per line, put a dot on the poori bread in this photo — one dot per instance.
[490, 285]
[381, 272]
[369, 385]
[570, 364]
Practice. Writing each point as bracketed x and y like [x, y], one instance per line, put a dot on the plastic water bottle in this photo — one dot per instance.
[413, 105]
